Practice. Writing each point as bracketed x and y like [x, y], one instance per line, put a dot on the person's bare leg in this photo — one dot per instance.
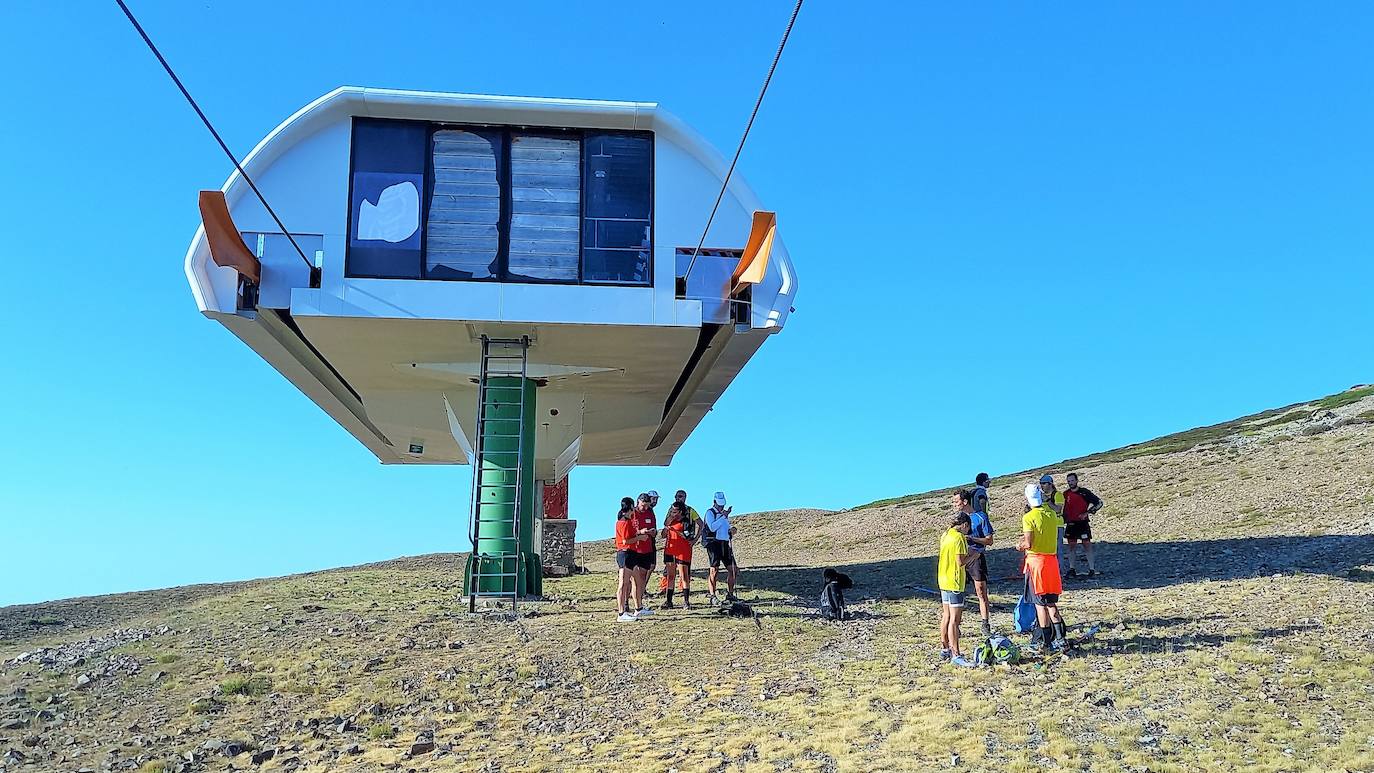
[730, 578]
[622, 595]
[1088, 551]
[944, 626]
[641, 578]
[711, 580]
[980, 589]
[1071, 544]
[955, 615]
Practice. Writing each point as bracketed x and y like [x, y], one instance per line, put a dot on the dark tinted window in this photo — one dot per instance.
[617, 208]
[384, 209]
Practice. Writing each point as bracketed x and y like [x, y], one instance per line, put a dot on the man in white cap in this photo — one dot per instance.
[716, 536]
[1040, 541]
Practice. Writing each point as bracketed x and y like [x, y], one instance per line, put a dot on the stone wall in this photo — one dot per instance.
[560, 537]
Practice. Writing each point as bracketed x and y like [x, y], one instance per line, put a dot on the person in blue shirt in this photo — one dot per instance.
[979, 539]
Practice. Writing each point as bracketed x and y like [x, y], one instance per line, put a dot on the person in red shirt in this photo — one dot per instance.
[634, 543]
[1079, 505]
[677, 553]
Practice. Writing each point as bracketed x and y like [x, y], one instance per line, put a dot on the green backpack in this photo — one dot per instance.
[997, 649]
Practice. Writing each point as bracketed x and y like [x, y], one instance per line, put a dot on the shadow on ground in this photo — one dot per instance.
[1124, 565]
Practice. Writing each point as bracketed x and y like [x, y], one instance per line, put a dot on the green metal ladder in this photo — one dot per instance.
[505, 360]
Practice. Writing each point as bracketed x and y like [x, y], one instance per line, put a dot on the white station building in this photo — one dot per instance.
[431, 221]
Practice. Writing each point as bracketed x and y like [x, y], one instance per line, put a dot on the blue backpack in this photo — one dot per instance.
[1024, 615]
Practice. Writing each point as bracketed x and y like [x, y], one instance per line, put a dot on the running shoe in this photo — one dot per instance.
[713, 600]
[626, 617]
[1074, 573]
[1094, 573]
[667, 605]
[944, 654]
[645, 612]
[987, 629]
[958, 660]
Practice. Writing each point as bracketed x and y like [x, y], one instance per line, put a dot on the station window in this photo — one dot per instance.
[441, 201]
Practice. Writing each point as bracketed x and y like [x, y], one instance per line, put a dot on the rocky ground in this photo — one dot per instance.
[1232, 631]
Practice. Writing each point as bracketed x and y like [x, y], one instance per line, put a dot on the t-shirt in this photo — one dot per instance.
[1043, 524]
[624, 532]
[979, 526]
[677, 545]
[980, 498]
[643, 520]
[1077, 502]
[953, 548]
[717, 525]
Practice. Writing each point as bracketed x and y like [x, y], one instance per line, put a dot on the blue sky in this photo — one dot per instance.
[1042, 230]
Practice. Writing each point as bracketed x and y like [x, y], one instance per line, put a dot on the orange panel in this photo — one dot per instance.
[226, 245]
[754, 262]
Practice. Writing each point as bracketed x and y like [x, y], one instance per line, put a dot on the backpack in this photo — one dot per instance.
[1004, 650]
[997, 649]
[832, 602]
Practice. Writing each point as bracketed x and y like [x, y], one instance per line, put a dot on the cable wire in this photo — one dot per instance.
[757, 104]
[139, 27]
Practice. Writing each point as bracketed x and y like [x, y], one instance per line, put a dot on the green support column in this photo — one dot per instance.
[496, 499]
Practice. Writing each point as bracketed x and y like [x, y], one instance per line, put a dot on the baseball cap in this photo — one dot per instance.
[653, 494]
[1033, 495]
[719, 498]
[1046, 478]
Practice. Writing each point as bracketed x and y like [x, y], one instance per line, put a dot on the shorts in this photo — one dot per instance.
[1075, 531]
[671, 559]
[978, 570]
[954, 598]
[631, 559]
[1042, 574]
[719, 552]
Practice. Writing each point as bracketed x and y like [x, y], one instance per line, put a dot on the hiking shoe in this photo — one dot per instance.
[1058, 645]
[626, 617]
[1073, 572]
[645, 612]
[958, 660]
[944, 654]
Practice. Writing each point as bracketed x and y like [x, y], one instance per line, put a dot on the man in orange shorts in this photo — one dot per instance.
[1040, 542]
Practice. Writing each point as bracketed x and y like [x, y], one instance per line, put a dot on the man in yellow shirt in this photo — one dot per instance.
[954, 558]
[1040, 542]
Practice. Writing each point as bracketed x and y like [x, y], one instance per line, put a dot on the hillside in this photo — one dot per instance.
[1233, 632]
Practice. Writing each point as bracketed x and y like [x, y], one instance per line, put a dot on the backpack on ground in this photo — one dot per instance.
[995, 650]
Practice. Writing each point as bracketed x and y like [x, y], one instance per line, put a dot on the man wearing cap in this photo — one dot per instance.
[716, 537]
[1039, 541]
[1079, 505]
[693, 526]
[1054, 500]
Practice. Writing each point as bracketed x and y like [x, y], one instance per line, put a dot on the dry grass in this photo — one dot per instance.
[1234, 635]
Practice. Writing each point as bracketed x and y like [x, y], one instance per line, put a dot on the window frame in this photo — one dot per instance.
[502, 273]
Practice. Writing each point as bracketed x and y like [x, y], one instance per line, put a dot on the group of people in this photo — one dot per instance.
[636, 543]
[1050, 518]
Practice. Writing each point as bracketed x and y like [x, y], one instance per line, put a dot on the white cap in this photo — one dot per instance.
[1033, 494]
[653, 493]
[720, 498]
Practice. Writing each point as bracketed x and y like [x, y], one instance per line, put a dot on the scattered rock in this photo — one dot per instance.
[84, 681]
[424, 744]
[353, 749]
[12, 724]
[264, 756]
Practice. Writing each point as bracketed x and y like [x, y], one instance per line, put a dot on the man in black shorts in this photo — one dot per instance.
[1079, 506]
[979, 538]
[716, 536]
